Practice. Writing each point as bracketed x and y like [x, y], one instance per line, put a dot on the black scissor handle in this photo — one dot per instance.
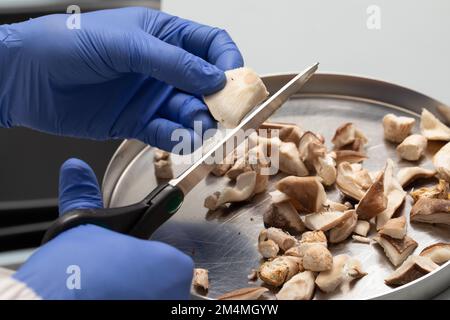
[139, 220]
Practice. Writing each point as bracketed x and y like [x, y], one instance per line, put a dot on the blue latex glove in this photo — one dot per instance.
[120, 76]
[112, 265]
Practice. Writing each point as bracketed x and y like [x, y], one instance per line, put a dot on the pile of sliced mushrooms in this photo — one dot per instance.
[302, 224]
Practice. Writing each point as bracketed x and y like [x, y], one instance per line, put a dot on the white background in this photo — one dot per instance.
[412, 48]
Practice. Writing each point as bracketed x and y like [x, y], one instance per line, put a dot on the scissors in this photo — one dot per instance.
[143, 218]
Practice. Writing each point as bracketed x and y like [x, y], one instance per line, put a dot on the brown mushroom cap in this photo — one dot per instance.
[397, 250]
[308, 191]
[430, 210]
[413, 268]
[374, 200]
[343, 230]
[283, 215]
[346, 134]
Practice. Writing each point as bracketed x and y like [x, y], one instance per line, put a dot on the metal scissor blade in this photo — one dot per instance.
[197, 172]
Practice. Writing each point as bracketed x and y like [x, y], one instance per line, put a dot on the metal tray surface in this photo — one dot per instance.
[225, 241]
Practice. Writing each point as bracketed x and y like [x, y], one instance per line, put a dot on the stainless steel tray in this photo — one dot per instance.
[225, 242]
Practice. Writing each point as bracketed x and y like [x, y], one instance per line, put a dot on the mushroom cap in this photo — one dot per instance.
[350, 156]
[299, 287]
[413, 268]
[291, 134]
[243, 90]
[409, 174]
[441, 162]
[395, 228]
[326, 169]
[310, 147]
[432, 128]
[343, 230]
[346, 135]
[394, 192]
[396, 129]
[413, 147]
[252, 293]
[397, 250]
[283, 215]
[308, 191]
[430, 210]
[439, 253]
[326, 220]
[374, 200]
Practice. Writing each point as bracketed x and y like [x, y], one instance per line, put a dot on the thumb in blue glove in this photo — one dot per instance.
[90, 262]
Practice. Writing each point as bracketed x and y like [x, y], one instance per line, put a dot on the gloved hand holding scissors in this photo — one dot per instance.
[126, 73]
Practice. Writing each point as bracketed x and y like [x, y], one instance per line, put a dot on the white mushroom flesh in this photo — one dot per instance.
[409, 174]
[432, 128]
[244, 90]
[439, 253]
[396, 129]
[413, 147]
[441, 162]
[299, 287]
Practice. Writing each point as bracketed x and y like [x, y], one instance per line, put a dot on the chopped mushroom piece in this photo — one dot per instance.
[349, 156]
[281, 269]
[361, 239]
[267, 247]
[439, 253]
[349, 180]
[395, 228]
[394, 192]
[431, 211]
[283, 215]
[162, 164]
[397, 250]
[413, 268]
[220, 169]
[287, 132]
[374, 200]
[299, 287]
[439, 191]
[441, 162]
[347, 134]
[289, 160]
[337, 206]
[344, 270]
[343, 230]
[314, 153]
[413, 147]
[324, 221]
[200, 279]
[253, 293]
[240, 166]
[281, 238]
[362, 228]
[317, 258]
[308, 239]
[307, 191]
[433, 129]
[244, 90]
[243, 190]
[407, 175]
[396, 129]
